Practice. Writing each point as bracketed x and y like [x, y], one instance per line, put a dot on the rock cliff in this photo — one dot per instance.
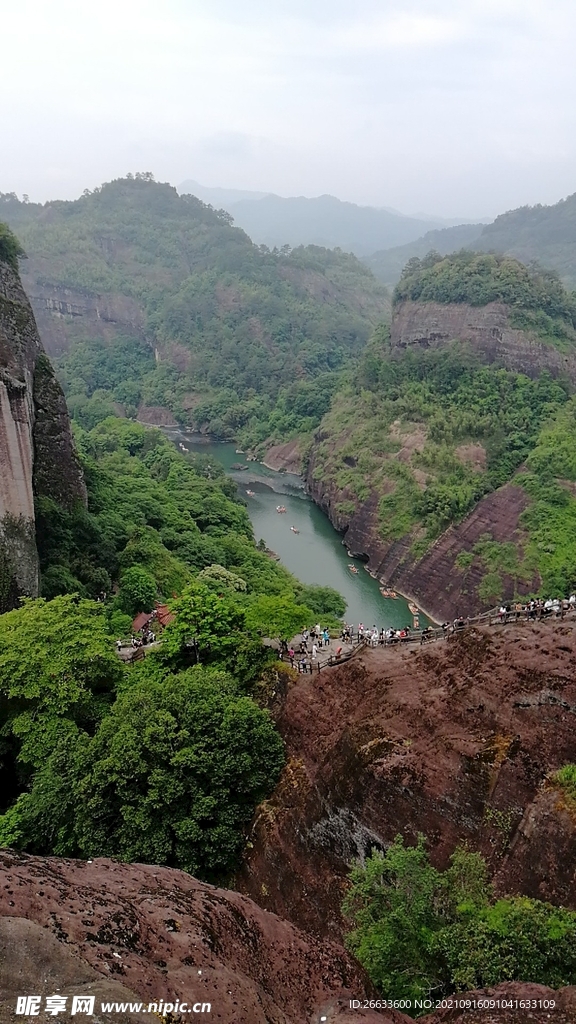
[487, 328]
[63, 314]
[36, 450]
[457, 740]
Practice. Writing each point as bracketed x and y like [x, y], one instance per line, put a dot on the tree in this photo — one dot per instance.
[204, 621]
[53, 652]
[56, 662]
[322, 600]
[392, 903]
[172, 776]
[419, 931]
[137, 591]
[218, 579]
[10, 248]
[279, 617]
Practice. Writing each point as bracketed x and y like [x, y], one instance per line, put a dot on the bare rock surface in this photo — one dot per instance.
[456, 740]
[422, 325]
[287, 457]
[37, 455]
[127, 932]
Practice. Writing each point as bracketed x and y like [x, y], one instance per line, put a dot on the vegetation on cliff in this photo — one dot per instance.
[431, 433]
[10, 248]
[423, 933]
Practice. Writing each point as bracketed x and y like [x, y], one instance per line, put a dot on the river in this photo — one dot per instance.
[315, 554]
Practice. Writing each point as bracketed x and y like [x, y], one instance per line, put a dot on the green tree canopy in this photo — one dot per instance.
[277, 617]
[137, 591]
[172, 776]
[420, 932]
[322, 600]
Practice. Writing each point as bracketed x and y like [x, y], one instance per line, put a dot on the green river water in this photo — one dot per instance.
[315, 554]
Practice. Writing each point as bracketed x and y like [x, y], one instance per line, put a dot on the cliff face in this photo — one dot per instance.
[457, 740]
[36, 451]
[433, 324]
[65, 313]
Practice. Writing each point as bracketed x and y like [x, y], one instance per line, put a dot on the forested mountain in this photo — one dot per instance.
[157, 300]
[326, 221]
[545, 234]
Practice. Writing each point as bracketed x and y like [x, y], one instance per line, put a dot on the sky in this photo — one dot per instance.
[456, 108]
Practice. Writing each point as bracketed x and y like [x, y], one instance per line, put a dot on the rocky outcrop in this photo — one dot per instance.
[156, 415]
[285, 457]
[456, 740]
[64, 313]
[422, 325]
[129, 932]
[36, 450]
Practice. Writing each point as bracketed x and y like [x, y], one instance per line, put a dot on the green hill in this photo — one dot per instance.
[542, 234]
[158, 300]
[537, 299]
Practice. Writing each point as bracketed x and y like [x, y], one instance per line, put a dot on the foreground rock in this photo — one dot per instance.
[456, 740]
[131, 933]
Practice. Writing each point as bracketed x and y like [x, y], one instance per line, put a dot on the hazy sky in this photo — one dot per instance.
[454, 107]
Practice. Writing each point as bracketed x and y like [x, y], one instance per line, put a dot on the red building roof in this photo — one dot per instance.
[141, 620]
[163, 615]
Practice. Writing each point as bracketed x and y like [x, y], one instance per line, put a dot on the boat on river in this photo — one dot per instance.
[280, 508]
[353, 569]
[388, 593]
[294, 530]
[413, 608]
[251, 494]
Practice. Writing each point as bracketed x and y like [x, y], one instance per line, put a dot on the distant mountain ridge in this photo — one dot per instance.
[218, 197]
[545, 234]
[324, 220]
[387, 265]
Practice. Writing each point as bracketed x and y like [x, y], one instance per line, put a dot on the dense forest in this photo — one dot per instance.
[163, 761]
[228, 328]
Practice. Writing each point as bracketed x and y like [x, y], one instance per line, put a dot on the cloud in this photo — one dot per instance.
[458, 108]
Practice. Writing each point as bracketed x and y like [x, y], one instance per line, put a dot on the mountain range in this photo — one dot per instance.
[276, 221]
